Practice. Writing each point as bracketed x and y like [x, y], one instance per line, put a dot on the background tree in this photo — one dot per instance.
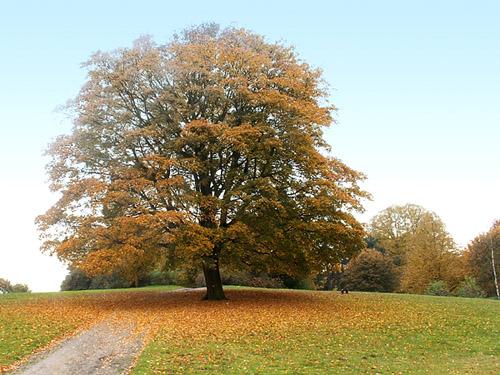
[420, 246]
[392, 229]
[209, 149]
[370, 271]
[20, 288]
[76, 279]
[430, 255]
[7, 287]
[481, 254]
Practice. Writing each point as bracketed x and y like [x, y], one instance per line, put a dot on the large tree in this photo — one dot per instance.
[206, 150]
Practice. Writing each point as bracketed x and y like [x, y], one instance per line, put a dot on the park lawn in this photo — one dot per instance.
[269, 331]
[30, 321]
[298, 332]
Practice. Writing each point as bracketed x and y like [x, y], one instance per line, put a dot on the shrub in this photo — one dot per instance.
[113, 281]
[469, 288]
[437, 288]
[304, 283]
[370, 271]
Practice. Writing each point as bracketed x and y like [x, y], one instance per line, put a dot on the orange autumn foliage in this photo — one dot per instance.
[206, 150]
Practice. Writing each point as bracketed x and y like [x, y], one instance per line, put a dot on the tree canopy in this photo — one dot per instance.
[419, 244]
[431, 255]
[208, 149]
[483, 259]
[393, 227]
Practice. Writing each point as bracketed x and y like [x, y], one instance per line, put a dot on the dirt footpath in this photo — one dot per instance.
[106, 348]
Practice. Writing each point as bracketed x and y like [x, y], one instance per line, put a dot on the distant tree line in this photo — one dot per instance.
[7, 287]
[410, 251]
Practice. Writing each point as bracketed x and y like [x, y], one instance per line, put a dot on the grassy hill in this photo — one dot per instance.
[270, 331]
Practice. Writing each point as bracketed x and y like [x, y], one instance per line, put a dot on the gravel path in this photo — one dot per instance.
[105, 349]
[108, 348]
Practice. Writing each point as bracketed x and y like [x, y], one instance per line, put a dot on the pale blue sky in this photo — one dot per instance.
[417, 84]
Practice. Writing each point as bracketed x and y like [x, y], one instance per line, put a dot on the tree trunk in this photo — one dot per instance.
[136, 281]
[213, 279]
[329, 280]
[495, 278]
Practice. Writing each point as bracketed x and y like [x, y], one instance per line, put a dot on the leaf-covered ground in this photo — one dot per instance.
[33, 321]
[276, 331]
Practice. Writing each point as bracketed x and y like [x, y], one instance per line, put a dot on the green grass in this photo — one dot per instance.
[29, 321]
[42, 295]
[20, 336]
[423, 335]
[260, 331]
